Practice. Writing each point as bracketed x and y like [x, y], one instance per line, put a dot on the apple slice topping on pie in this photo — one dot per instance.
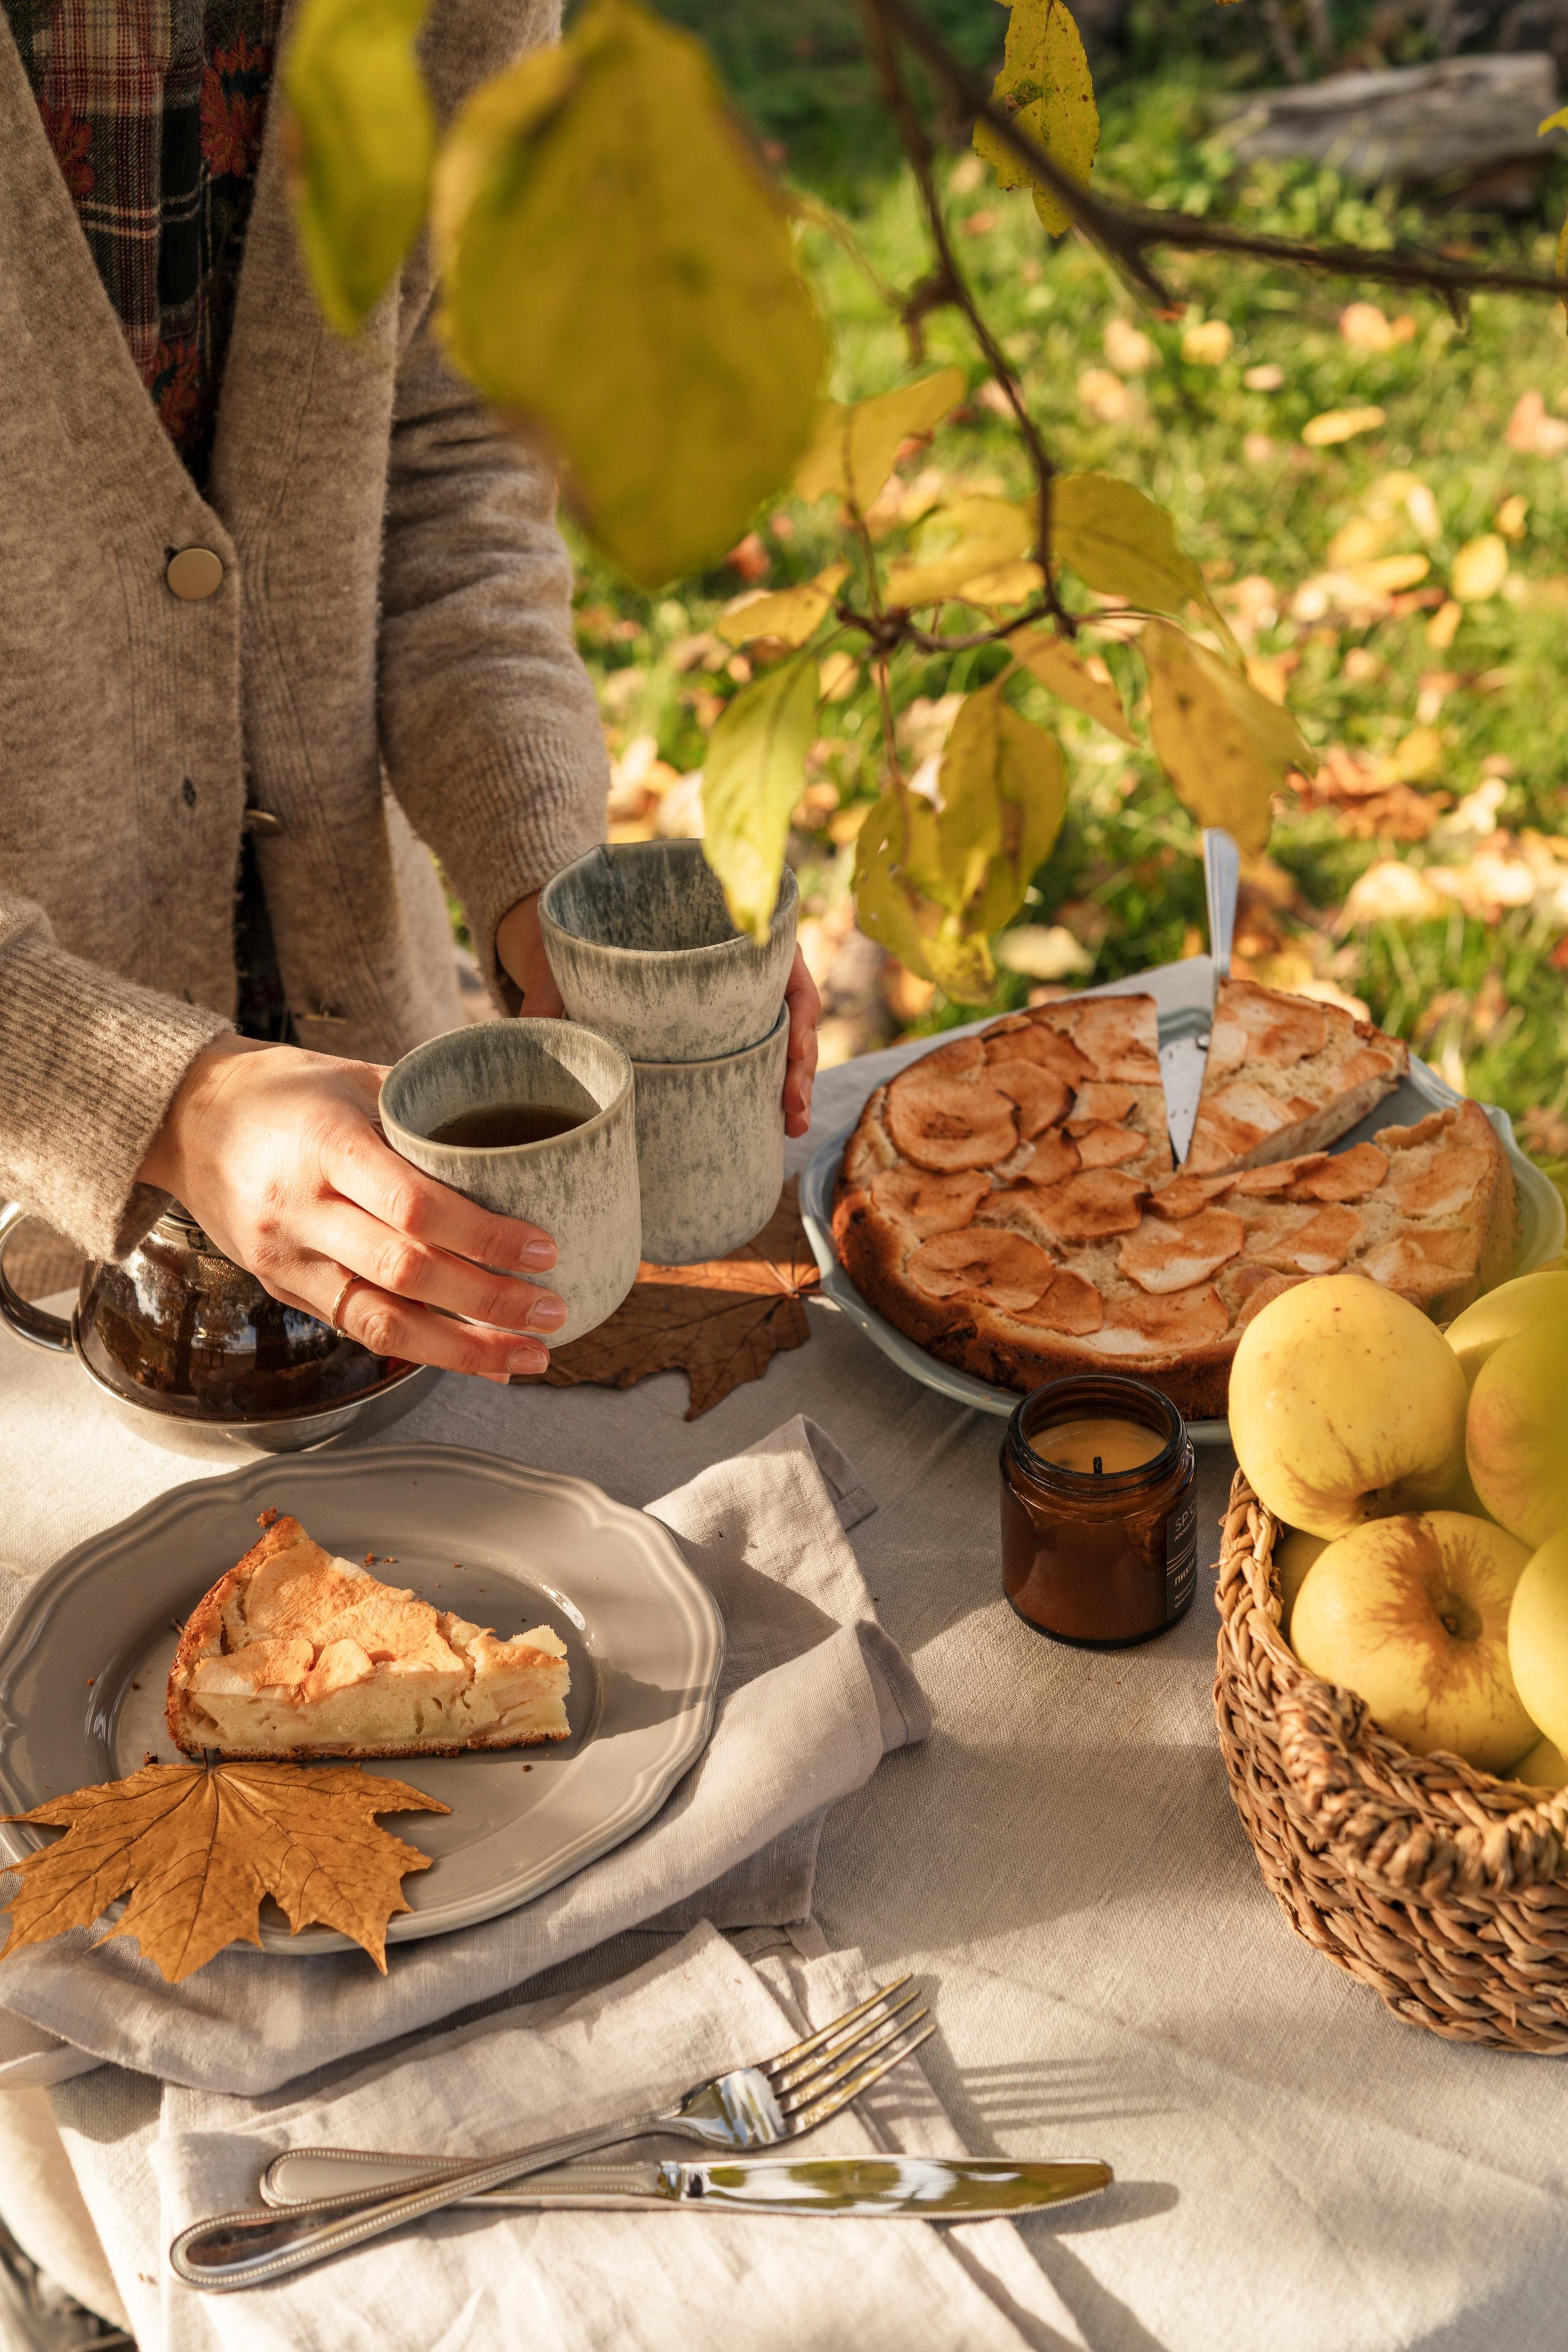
[1001, 1269]
[1162, 1255]
[294, 1652]
[948, 1119]
[1349, 1175]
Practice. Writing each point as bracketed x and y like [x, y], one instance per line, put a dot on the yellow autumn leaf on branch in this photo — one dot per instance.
[1122, 544]
[752, 778]
[655, 332]
[961, 542]
[897, 848]
[1046, 90]
[1224, 747]
[1003, 783]
[362, 146]
[853, 446]
[1062, 670]
[932, 884]
[791, 614]
[197, 1850]
[1011, 584]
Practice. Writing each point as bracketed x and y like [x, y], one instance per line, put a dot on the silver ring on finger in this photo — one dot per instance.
[336, 1318]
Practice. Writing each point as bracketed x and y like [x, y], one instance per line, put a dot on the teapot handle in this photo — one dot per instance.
[28, 1321]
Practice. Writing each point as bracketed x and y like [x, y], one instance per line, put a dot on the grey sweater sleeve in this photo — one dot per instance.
[91, 1063]
[489, 726]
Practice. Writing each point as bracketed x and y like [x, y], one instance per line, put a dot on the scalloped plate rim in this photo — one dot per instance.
[643, 1789]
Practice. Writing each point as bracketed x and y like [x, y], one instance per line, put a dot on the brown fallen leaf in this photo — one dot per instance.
[720, 1322]
[197, 1848]
[1371, 798]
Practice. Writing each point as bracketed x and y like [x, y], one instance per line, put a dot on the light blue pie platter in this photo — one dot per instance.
[1182, 1036]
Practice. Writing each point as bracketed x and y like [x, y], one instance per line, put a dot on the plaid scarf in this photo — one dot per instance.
[155, 111]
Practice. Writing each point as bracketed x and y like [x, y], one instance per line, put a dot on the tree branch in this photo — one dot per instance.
[947, 285]
[892, 628]
[1127, 234]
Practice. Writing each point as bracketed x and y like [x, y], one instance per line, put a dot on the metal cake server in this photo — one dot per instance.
[1222, 885]
[1182, 1057]
[917, 2188]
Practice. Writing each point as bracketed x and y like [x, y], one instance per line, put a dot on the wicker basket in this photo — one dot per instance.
[1429, 1880]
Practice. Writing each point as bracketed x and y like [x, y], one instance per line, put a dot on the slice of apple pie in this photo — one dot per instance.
[293, 1653]
[1285, 1075]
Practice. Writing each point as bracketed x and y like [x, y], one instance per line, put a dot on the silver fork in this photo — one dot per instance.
[754, 2106]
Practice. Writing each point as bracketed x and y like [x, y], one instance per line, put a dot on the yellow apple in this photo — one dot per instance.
[1346, 1404]
[1516, 1432]
[1412, 1614]
[1293, 1556]
[1538, 1639]
[1545, 1767]
[1502, 1314]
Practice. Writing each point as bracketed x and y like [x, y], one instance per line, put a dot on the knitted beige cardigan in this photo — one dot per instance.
[389, 655]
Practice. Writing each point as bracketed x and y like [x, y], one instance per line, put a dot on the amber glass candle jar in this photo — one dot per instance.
[1098, 1526]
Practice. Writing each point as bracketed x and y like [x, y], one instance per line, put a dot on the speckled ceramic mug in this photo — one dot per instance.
[710, 1140]
[581, 1187]
[643, 951]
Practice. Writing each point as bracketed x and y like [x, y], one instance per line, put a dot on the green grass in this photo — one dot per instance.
[1125, 875]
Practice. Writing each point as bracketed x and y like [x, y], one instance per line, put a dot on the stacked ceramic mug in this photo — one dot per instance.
[644, 952]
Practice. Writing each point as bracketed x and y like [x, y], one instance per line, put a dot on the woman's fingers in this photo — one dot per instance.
[433, 1278]
[414, 1272]
[521, 951]
[805, 1012]
[390, 1326]
[367, 1172]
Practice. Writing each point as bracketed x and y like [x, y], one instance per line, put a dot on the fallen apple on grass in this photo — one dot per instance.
[1346, 1404]
[1412, 1614]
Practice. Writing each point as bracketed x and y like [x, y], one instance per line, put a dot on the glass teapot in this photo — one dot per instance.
[192, 1352]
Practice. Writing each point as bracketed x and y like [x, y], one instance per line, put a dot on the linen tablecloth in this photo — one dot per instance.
[598, 2281]
[1061, 1865]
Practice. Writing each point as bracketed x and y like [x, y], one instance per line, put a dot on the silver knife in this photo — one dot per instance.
[1222, 886]
[914, 2188]
[1183, 1054]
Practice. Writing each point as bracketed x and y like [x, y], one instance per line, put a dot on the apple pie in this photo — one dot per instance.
[1009, 1201]
[1285, 1075]
[293, 1653]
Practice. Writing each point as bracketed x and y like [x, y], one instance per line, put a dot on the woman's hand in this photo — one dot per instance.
[520, 952]
[278, 1156]
[805, 1013]
[520, 948]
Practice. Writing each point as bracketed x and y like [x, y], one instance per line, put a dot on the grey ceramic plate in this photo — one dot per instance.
[1182, 1036]
[644, 1639]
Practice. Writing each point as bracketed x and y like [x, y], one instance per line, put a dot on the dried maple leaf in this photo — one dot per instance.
[197, 1848]
[720, 1322]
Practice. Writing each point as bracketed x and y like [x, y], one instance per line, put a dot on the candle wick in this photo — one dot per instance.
[1098, 1471]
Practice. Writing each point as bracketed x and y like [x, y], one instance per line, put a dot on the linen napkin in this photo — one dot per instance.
[814, 1694]
[602, 2282]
